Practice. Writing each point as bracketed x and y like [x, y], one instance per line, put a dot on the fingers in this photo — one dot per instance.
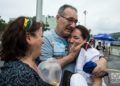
[98, 71]
[101, 67]
[76, 47]
[81, 44]
[101, 74]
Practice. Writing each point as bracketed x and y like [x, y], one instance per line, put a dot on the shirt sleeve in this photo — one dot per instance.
[46, 50]
[92, 54]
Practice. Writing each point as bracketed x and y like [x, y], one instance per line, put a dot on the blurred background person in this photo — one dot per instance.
[100, 48]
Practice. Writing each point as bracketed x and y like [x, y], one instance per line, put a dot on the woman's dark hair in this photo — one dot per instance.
[14, 44]
[84, 32]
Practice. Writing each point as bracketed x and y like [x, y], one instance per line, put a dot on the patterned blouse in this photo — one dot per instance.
[17, 73]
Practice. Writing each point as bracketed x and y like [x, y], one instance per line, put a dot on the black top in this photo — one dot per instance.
[17, 73]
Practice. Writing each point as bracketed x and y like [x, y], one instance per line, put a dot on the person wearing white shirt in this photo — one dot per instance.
[86, 61]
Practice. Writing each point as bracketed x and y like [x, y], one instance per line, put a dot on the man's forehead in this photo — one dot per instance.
[69, 12]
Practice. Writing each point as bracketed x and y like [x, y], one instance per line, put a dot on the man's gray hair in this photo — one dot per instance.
[63, 7]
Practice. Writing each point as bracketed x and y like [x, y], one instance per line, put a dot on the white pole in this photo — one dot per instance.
[85, 13]
[39, 10]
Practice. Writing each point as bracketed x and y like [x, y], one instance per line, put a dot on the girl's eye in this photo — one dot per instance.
[76, 37]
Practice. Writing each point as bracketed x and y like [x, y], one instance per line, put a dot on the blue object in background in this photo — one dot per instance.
[106, 37]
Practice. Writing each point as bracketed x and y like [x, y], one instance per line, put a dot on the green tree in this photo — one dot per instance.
[45, 25]
[2, 24]
[116, 35]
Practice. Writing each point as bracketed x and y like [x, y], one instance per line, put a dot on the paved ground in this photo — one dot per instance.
[114, 62]
[114, 70]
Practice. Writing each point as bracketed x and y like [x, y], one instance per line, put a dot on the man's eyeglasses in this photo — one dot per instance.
[70, 19]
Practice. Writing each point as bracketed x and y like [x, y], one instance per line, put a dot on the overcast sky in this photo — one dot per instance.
[103, 16]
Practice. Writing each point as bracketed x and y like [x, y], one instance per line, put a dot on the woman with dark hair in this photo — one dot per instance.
[86, 61]
[21, 43]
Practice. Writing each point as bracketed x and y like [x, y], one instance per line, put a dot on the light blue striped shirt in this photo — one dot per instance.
[56, 47]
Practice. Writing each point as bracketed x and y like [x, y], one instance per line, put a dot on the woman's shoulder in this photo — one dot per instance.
[14, 68]
[17, 73]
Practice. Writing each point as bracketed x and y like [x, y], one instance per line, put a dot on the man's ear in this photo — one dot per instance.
[57, 17]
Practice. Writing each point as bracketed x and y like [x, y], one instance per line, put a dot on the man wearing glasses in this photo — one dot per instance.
[55, 41]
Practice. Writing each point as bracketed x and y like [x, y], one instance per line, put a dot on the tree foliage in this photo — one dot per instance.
[2, 24]
[116, 35]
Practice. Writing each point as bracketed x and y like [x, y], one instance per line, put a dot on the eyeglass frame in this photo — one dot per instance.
[68, 19]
